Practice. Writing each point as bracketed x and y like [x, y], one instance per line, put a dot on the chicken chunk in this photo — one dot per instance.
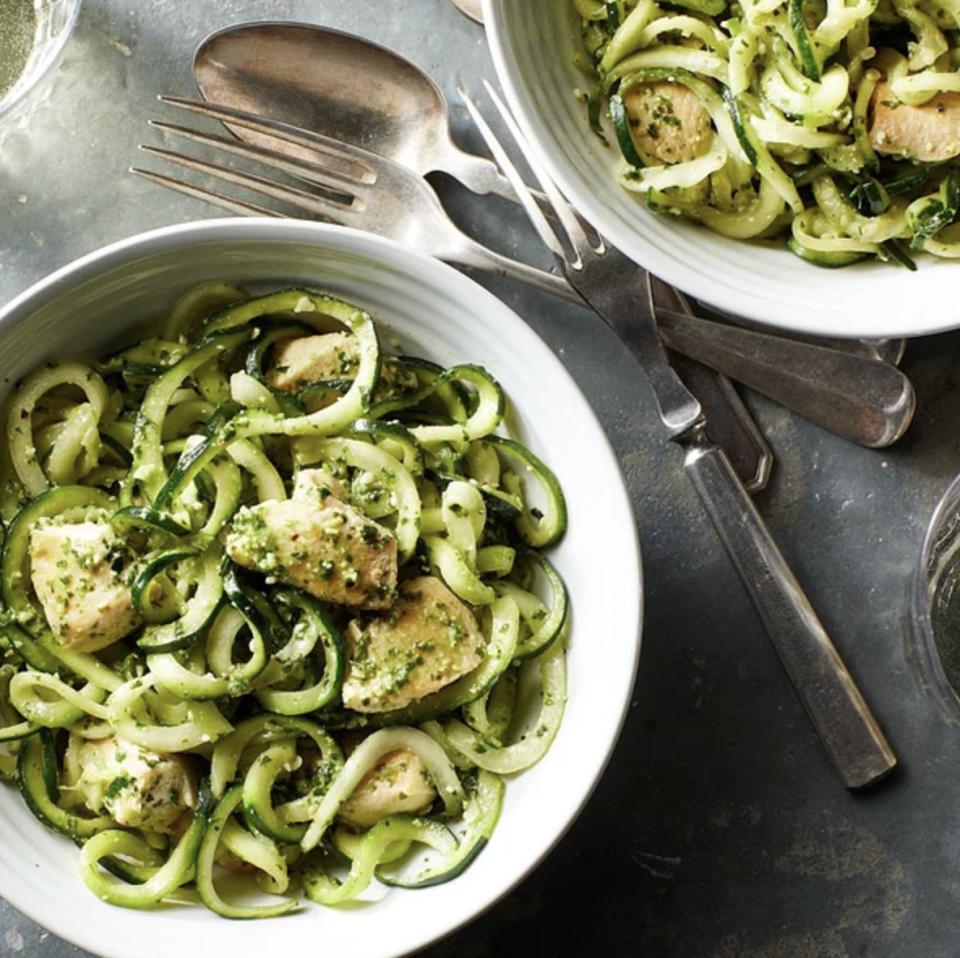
[399, 782]
[299, 362]
[325, 547]
[138, 787]
[929, 133]
[304, 360]
[426, 641]
[668, 121]
[79, 573]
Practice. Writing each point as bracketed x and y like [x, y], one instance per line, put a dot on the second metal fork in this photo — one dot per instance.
[620, 293]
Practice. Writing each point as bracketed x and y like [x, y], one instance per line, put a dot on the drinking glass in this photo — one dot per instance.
[935, 604]
[33, 37]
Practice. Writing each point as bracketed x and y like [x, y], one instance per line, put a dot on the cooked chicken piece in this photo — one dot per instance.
[929, 133]
[77, 570]
[668, 121]
[426, 641]
[304, 360]
[138, 787]
[326, 548]
[399, 782]
[319, 483]
[312, 359]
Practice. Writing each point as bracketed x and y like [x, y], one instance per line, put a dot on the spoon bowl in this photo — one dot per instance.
[343, 86]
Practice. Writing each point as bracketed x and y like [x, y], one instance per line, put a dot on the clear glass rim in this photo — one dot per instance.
[51, 55]
[924, 643]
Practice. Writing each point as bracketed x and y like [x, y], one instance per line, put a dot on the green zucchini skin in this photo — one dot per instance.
[183, 631]
[805, 46]
[146, 516]
[486, 804]
[38, 780]
[538, 531]
[828, 260]
[621, 126]
[930, 214]
[499, 503]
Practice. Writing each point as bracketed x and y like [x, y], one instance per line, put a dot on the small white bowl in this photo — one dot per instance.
[533, 43]
[432, 311]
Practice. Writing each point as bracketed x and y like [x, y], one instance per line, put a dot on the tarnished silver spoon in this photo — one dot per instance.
[470, 8]
[322, 79]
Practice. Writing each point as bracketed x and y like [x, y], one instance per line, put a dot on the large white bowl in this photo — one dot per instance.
[433, 311]
[533, 43]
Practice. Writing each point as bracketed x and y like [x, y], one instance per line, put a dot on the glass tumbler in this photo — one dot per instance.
[33, 36]
[935, 604]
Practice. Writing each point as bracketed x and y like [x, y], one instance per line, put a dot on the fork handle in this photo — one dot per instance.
[863, 400]
[849, 732]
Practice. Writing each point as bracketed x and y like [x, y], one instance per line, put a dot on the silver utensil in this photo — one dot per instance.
[620, 293]
[335, 83]
[351, 186]
[729, 423]
[877, 413]
[354, 187]
[470, 8]
[885, 350]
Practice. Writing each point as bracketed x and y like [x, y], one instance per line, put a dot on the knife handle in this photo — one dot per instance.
[848, 730]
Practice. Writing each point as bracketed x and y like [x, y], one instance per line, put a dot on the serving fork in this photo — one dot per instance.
[349, 185]
[620, 293]
[861, 399]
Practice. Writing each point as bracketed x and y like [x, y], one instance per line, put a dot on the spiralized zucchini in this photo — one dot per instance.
[832, 126]
[183, 698]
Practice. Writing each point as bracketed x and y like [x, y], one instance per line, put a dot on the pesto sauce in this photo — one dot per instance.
[18, 28]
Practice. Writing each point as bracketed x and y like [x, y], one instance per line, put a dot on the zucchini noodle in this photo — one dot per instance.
[829, 126]
[274, 606]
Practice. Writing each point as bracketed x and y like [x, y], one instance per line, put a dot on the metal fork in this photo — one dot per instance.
[621, 294]
[350, 186]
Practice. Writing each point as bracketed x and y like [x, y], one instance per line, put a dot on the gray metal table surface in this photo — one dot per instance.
[719, 829]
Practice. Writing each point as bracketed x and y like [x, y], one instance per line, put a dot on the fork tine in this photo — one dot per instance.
[331, 179]
[230, 203]
[530, 205]
[578, 238]
[307, 139]
[309, 202]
